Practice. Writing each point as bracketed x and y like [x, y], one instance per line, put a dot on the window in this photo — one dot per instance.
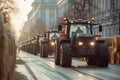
[112, 4]
[79, 29]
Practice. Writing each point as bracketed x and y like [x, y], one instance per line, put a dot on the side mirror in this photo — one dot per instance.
[100, 28]
[59, 27]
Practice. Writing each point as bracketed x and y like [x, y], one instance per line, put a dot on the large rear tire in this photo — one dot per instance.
[40, 50]
[102, 57]
[45, 50]
[57, 54]
[57, 58]
[65, 55]
[35, 50]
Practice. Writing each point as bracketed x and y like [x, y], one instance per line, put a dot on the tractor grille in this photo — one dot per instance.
[87, 41]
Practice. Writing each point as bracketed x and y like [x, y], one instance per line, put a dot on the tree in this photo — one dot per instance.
[39, 26]
[7, 5]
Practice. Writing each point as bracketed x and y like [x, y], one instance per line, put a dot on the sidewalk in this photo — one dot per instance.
[21, 72]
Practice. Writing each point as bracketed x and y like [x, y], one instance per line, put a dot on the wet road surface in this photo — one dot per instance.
[44, 69]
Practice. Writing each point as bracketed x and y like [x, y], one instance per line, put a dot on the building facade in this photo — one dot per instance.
[46, 11]
[105, 12]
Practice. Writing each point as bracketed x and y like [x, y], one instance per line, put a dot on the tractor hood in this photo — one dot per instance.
[85, 38]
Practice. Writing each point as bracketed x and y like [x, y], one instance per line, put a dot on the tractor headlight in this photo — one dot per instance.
[92, 43]
[80, 43]
[52, 43]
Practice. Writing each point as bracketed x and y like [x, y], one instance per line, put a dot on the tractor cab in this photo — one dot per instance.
[53, 35]
[71, 28]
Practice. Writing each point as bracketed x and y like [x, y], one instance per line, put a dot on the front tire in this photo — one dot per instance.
[44, 50]
[65, 55]
[102, 56]
[57, 54]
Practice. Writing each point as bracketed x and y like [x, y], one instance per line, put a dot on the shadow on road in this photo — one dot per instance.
[18, 75]
[88, 67]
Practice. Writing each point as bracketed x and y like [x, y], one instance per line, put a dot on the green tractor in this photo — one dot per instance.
[77, 40]
[47, 44]
[52, 37]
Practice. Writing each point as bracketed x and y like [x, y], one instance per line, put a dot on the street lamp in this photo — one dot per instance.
[93, 19]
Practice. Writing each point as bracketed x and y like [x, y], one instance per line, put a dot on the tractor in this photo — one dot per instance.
[77, 40]
[35, 45]
[47, 44]
[43, 47]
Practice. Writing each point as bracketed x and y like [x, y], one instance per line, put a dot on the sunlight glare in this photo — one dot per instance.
[19, 17]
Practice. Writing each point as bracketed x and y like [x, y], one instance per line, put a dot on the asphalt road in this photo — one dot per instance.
[37, 68]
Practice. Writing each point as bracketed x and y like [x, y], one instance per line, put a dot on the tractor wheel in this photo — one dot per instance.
[65, 55]
[45, 50]
[40, 50]
[91, 61]
[57, 55]
[35, 50]
[102, 57]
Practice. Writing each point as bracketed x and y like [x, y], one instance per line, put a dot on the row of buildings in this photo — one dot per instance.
[43, 14]
[105, 12]
[51, 12]
[44, 10]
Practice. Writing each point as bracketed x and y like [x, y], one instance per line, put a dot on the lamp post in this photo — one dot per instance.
[93, 19]
[91, 24]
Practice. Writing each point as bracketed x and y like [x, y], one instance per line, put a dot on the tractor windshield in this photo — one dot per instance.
[53, 35]
[79, 29]
[41, 38]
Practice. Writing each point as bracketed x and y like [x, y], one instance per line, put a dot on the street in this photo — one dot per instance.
[37, 68]
[59, 39]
